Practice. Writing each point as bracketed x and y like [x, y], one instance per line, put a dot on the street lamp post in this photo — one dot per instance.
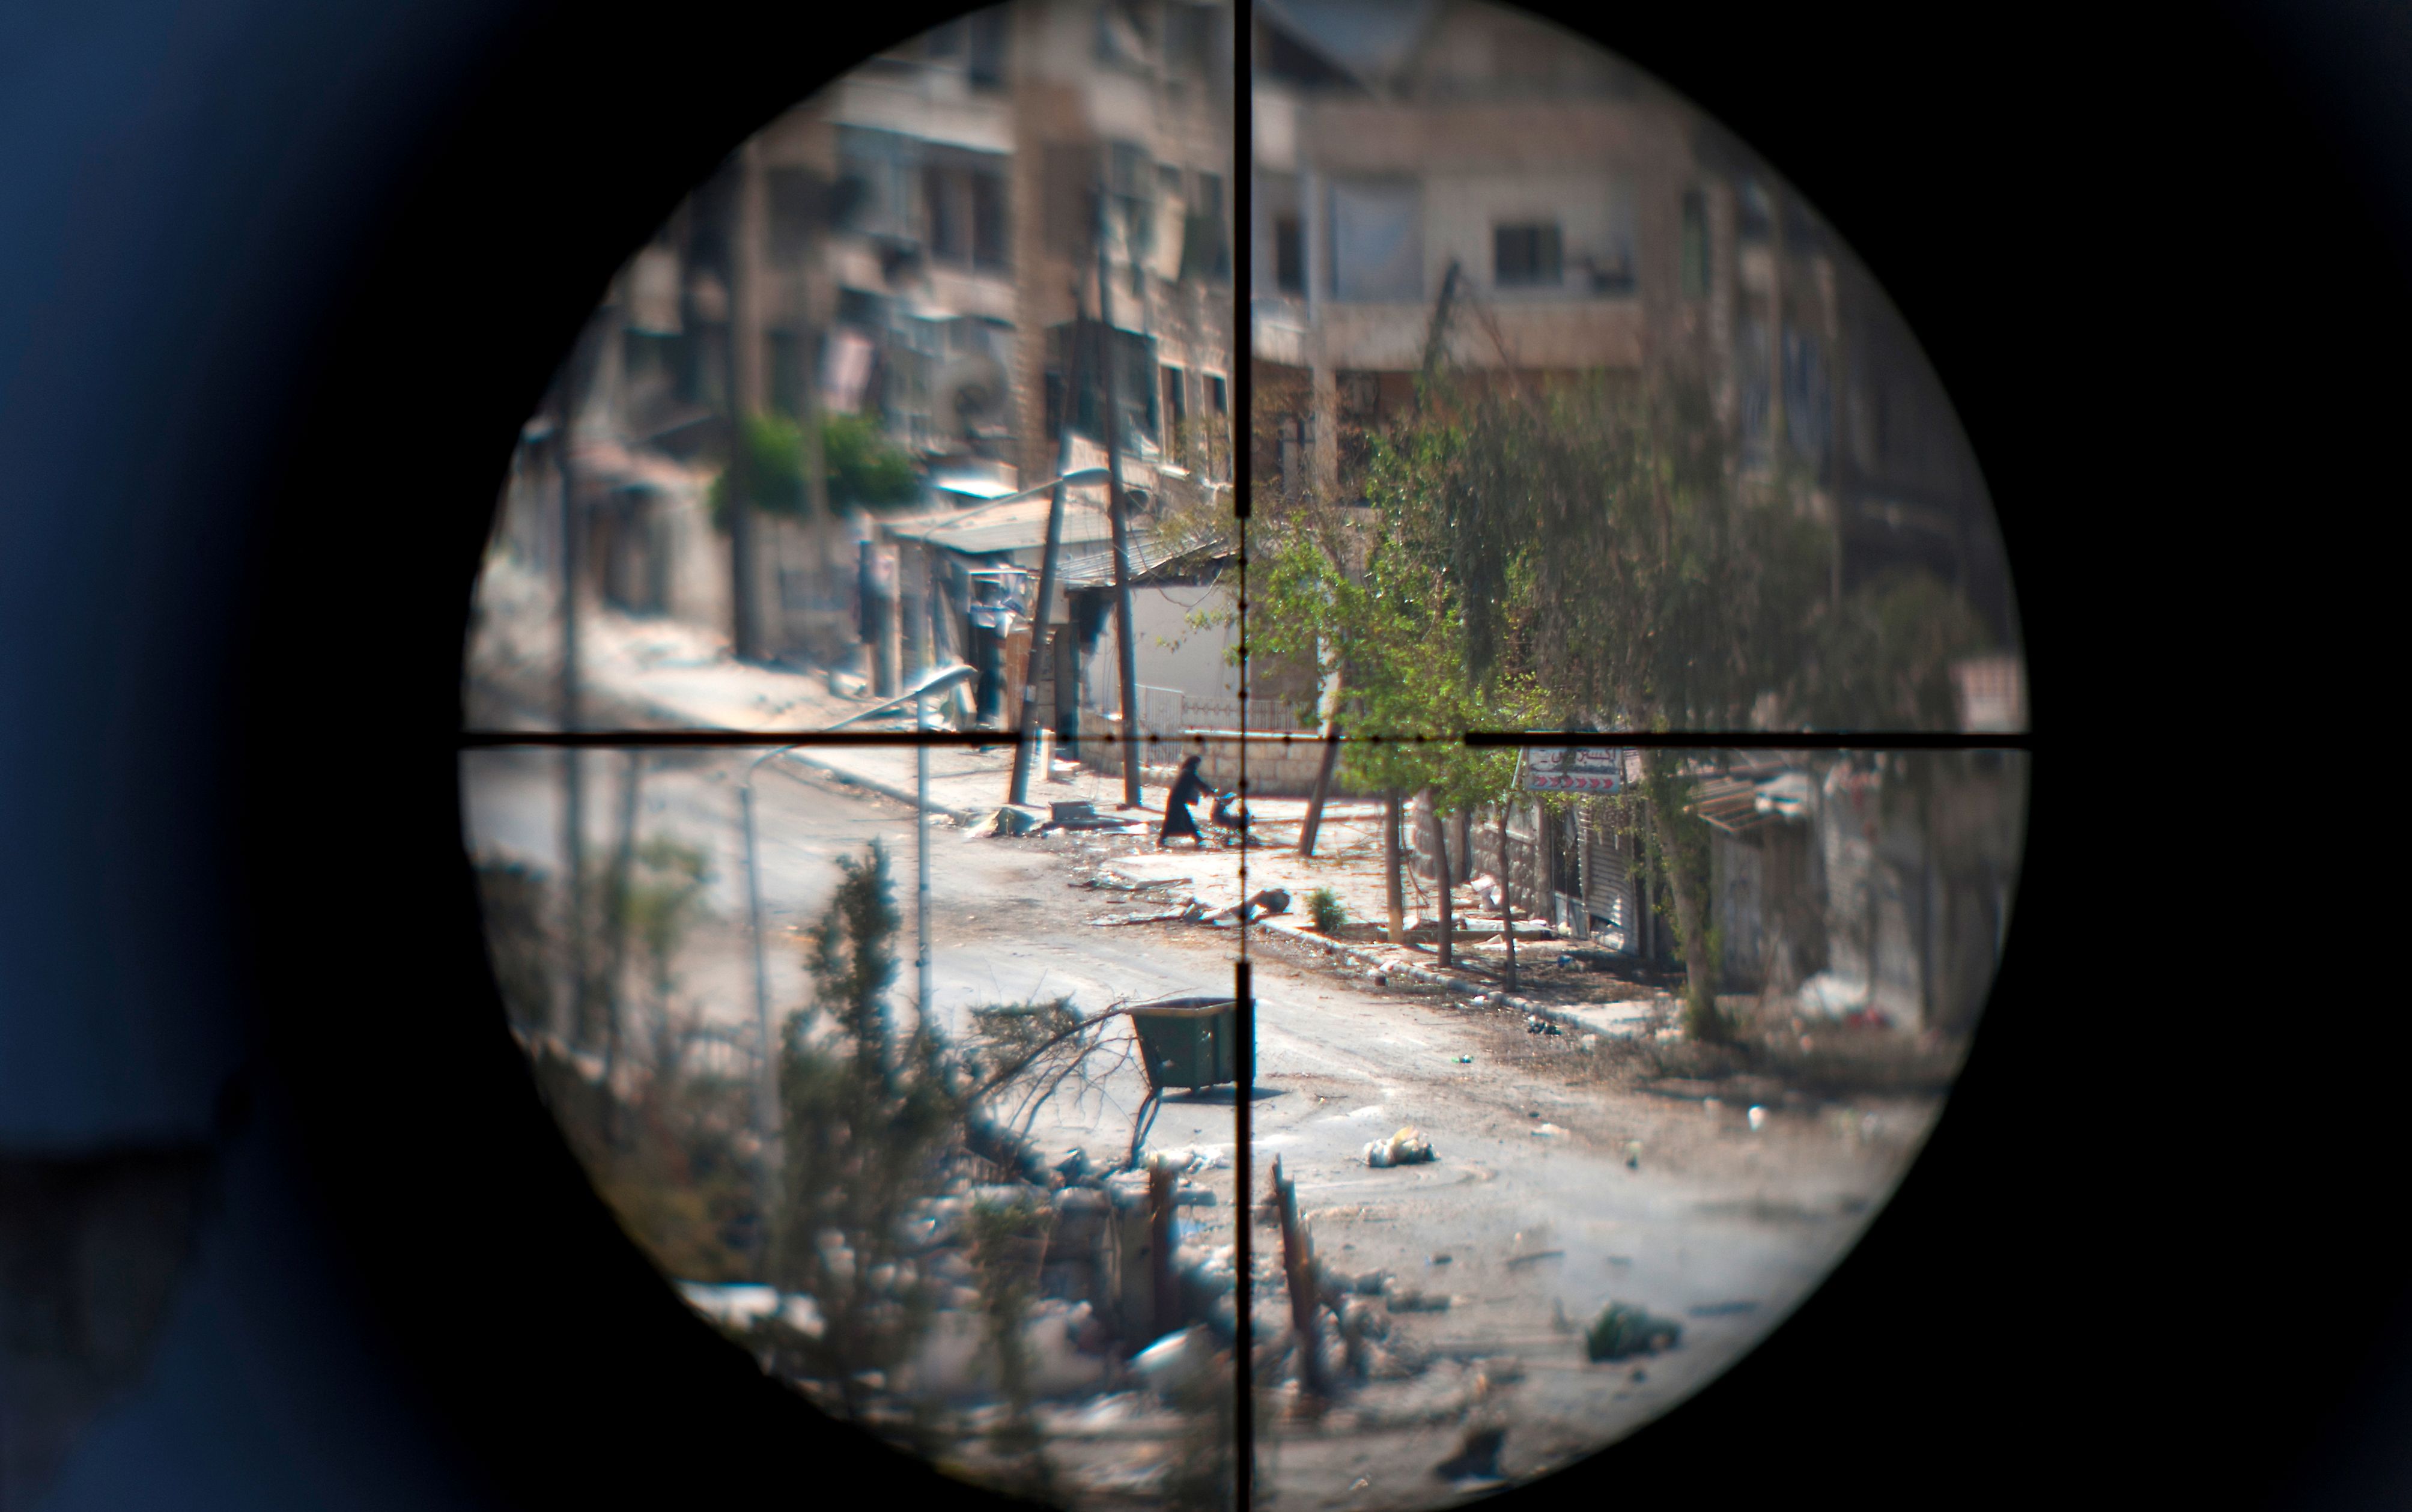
[938, 681]
[1025, 729]
[766, 1085]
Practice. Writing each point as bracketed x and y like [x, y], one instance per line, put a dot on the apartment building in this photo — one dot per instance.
[1583, 220]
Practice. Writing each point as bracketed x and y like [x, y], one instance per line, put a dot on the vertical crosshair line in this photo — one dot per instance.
[1241, 421]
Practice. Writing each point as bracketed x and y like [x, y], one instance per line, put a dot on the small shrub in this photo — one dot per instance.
[1323, 907]
[1621, 1331]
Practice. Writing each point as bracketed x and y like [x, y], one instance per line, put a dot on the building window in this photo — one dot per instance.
[1377, 245]
[946, 215]
[987, 36]
[1176, 413]
[1695, 244]
[877, 164]
[1290, 255]
[1188, 38]
[1526, 256]
[1753, 212]
[1218, 441]
[1205, 249]
[990, 246]
[963, 214]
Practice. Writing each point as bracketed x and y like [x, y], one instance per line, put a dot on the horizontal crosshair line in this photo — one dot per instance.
[1872, 739]
[1545, 740]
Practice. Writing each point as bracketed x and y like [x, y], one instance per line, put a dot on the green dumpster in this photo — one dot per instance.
[1189, 1041]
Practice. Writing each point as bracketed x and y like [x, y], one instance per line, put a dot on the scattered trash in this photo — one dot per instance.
[1477, 1459]
[1547, 1131]
[1621, 1331]
[1072, 1165]
[1082, 814]
[1008, 822]
[1537, 1256]
[1175, 1360]
[1442, 1258]
[1359, 1484]
[1633, 1155]
[1536, 1024]
[1723, 1309]
[1828, 995]
[1757, 1119]
[1638, 1375]
[1466, 1059]
[1409, 1147]
[1505, 1370]
[1412, 1299]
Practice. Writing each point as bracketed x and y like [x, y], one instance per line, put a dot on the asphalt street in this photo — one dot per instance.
[1530, 1215]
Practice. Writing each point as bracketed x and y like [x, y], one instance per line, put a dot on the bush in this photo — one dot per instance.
[1621, 1331]
[1323, 907]
[862, 466]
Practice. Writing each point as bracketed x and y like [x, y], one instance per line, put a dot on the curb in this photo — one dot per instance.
[1363, 956]
[902, 794]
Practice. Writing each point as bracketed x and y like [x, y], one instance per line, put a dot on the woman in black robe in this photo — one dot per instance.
[1187, 789]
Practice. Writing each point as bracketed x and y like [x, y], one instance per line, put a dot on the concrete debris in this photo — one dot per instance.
[954, 1361]
[1188, 1160]
[1082, 814]
[1008, 822]
[1829, 995]
[1175, 1361]
[1409, 1147]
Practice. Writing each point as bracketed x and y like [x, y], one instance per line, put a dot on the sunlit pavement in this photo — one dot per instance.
[1721, 1227]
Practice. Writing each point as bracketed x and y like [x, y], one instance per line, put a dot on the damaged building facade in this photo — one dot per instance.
[902, 249]
[1455, 166]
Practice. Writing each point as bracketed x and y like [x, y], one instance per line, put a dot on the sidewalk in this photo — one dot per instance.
[665, 674]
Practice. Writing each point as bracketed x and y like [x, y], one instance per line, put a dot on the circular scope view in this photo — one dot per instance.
[907, 1044]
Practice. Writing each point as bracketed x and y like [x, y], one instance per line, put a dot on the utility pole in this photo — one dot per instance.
[1117, 511]
[1026, 731]
[744, 402]
[766, 1071]
[573, 806]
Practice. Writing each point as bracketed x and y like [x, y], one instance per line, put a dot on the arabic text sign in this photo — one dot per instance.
[1543, 769]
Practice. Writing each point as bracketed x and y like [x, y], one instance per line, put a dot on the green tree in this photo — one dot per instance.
[1595, 559]
[864, 468]
[871, 1118]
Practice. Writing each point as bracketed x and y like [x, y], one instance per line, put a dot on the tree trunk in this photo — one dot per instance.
[1448, 913]
[1688, 880]
[1506, 898]
[1314, 821]
[1390, 862]
[616, 931]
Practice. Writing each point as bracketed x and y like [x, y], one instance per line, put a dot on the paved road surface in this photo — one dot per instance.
[1721, 1227]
